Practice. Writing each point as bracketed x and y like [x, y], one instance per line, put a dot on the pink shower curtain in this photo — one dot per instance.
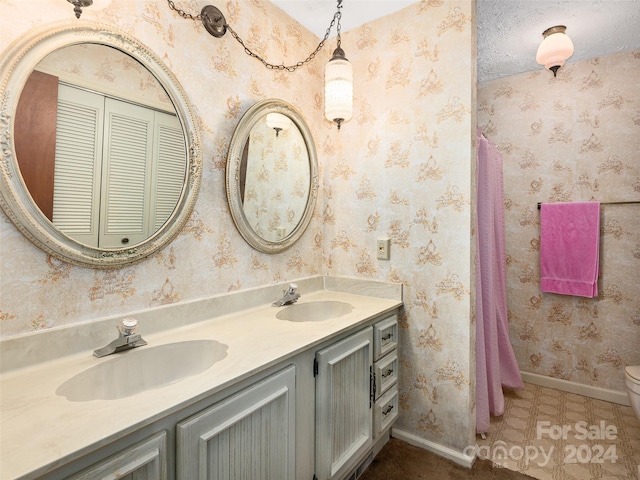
[496, 364]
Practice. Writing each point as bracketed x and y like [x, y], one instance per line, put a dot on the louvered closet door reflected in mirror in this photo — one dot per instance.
[78, 147]
[133, 155]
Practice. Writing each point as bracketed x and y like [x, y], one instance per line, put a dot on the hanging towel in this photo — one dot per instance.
[569, 248]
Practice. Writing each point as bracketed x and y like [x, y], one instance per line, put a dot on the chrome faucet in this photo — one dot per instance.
[126, 340]
[290, 296]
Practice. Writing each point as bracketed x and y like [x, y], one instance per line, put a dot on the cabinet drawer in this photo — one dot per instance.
[386, 372]
[385, 410]
[385, 336]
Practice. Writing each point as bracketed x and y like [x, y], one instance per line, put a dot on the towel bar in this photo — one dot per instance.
[609, 203]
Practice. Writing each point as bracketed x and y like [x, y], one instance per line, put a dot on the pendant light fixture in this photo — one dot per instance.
[78, 4]
[338, 84]
[338, 72]
[555, 49]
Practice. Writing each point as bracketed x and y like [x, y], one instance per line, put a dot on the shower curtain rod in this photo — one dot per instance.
[609, 203]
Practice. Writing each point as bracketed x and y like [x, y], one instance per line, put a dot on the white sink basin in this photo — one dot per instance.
[143, 368]
[314, 311]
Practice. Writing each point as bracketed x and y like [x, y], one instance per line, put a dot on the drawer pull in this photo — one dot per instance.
[388, 336]
[387, 410]
[387, 373]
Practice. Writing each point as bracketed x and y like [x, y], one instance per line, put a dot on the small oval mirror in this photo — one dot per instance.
[272, 176]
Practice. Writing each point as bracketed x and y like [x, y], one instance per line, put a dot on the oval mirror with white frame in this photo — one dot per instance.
[101, 159]
[272, 176]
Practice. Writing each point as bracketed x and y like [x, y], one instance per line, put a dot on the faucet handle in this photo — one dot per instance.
[128, 326]
[293, 287]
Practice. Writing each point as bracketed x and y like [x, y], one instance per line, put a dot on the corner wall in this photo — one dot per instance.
[401, 168]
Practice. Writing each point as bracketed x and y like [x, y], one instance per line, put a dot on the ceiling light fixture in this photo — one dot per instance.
[338, 72]
[78, 4]
[555, 49]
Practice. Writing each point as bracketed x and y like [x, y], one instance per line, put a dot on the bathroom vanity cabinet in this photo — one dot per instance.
[385, 376]
[351, 411]
[344, 388]
[249, 435]
[319, 412]
[146, 460]
[263, 430]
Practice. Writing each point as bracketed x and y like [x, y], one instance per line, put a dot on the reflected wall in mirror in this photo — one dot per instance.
[103, 165]
[272, 176]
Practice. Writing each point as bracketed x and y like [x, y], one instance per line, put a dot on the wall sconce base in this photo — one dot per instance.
[214, 21]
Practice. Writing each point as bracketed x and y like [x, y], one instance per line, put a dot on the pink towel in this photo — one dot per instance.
[569, 248]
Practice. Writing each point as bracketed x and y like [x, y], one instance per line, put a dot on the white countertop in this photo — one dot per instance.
[40, 430]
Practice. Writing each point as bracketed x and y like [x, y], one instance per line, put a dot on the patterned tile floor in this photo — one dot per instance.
[554, 435]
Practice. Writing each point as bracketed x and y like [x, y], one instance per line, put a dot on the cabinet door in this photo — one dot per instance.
[343, 403]
[144, 461]
[250, 435]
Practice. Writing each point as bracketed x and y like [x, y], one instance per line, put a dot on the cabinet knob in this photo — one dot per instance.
[387, 410]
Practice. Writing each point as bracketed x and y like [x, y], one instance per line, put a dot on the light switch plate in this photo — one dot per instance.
[383, 249]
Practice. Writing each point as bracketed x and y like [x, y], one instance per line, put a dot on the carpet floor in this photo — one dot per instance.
[401, 461]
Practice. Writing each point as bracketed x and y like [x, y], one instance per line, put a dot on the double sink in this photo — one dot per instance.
[145, 368]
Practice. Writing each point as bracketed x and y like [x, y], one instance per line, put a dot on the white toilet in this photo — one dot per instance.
[632, 380]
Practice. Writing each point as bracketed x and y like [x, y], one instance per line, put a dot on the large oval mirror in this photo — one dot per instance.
[272, 176]
[101, 163]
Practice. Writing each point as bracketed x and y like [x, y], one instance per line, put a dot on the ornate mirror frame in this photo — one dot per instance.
[16, 64]
[234, 158]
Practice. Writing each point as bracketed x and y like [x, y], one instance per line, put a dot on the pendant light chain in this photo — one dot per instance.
[337, 15]
[182, 13]
[290, 68]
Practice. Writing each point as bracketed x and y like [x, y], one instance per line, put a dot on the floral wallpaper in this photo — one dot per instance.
[277, 180]
[571, 138]
[222, 82]
[400, 169]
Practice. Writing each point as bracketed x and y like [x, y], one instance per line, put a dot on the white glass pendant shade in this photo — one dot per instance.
[555, 49]
[278, 122]
[338, 88]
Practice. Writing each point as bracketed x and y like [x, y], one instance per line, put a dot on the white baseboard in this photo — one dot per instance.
[458, 457]
[614, 396]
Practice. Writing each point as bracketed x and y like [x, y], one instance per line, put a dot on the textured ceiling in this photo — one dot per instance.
[509, 31]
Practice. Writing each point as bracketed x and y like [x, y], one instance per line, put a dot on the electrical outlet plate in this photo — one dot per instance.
[383, 249]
